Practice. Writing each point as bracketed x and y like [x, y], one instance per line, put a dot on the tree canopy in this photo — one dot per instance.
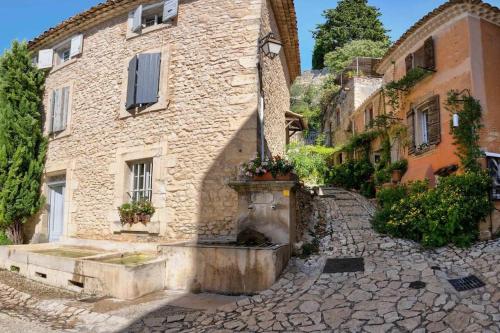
[337, 60]
[22, 144]
[350, 20]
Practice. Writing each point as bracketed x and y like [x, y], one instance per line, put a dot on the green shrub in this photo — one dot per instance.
[383, 174]
[352, 174]
[449, 213]
[4, 240]
[311, 163]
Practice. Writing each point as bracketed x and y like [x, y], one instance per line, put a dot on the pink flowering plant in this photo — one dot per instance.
[259, 167]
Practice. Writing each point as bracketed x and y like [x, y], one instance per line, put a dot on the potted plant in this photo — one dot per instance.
[136, 212]
[398, 169]
[276, 168]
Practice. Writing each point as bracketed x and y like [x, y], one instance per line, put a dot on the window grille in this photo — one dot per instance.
[494, 169]
[142, 180]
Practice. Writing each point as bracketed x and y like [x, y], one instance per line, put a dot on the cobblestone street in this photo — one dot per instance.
[376, 300]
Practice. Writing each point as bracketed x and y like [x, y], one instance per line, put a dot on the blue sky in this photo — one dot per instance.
[25, 19]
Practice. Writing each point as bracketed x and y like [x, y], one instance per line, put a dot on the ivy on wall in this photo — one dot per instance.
[395, 89]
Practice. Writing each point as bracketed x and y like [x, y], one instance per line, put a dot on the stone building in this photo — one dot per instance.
[160, 100]
[357, 81]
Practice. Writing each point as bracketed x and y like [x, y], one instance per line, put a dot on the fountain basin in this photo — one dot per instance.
[223, 268]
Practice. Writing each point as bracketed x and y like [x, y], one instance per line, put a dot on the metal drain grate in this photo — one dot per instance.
[417, 285]
[467, 283]
[344, 265]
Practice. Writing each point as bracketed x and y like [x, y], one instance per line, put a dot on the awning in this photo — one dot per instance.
[295, 122]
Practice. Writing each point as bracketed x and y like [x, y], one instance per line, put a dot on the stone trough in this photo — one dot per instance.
[122, 275]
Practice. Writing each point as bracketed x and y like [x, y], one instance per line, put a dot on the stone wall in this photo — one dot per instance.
[275, 81]
[205, 128]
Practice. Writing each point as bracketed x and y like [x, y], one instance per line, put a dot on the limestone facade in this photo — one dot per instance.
[204, 125]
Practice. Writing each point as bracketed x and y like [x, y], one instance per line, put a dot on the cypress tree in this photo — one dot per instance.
[22, 144]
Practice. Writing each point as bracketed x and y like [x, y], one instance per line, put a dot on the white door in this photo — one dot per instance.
[56, 211]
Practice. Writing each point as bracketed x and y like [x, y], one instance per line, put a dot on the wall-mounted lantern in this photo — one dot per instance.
[455, 120]
[270, 45]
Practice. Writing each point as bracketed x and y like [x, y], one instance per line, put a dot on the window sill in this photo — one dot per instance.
[59, 135]
[124, 114]
[132, 35]
[63, 65]
[424, 151]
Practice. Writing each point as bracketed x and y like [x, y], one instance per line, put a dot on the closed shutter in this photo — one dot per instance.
[410, 122]
[434, 121]
[170, 9]
[148, 78]
[137, 19]
[65, 107]
[76, 45]
[429, 57]
[409, 62]
[131, 84]
[45, 58]
[57, 111]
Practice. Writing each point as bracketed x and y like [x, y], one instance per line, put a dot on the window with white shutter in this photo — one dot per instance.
[145, 16]
[61, 53]
[59, 109]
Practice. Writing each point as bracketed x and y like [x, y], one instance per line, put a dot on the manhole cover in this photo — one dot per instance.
[467, 283]
[344, 265]
[417, 285]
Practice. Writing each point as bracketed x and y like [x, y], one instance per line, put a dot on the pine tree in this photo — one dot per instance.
[22, 144]
[350, 20]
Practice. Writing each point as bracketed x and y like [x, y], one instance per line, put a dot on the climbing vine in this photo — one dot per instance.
[466, 134]
[395, 89]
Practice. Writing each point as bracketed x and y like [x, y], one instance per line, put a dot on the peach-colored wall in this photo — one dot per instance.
[453, 67]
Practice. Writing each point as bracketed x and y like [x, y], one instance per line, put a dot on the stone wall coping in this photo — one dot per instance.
[274, 185]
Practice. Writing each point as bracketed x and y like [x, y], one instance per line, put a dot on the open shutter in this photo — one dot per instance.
[410, 122]
[57, 113]
[148, 78]
[131, 84]
[137, 19]
[170, 9]
[434, 121]
[76, 45]
[65, 106]
[45, 58]
[429, 58]
[409, 62]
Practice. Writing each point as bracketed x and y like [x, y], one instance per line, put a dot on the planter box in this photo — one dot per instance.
[269, 177]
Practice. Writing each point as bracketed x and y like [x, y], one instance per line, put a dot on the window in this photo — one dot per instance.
[61, 53]
[424, 125]
[143, 80]
[494, 170]
[59, 109]
[154, 14]
[141, 174]
[368, 117]
[422, 58]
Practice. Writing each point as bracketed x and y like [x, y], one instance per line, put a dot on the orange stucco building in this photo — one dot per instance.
[459, 45]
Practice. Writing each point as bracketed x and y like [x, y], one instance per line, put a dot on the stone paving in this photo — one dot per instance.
[376, 300]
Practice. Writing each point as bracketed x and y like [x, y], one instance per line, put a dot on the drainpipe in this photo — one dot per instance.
[261, 109]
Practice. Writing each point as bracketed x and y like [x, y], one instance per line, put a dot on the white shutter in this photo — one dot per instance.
[137, 19]
[45, 58]
[76, 45]
[170, 9]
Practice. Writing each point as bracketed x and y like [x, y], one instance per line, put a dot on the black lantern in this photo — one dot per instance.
[270, 45]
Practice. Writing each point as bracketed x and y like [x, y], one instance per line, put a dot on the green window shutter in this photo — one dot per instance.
[148, 78]
[410, 122]
[434, 121]
[131, 83]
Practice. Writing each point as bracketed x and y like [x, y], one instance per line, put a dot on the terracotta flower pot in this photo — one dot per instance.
[396, 176]
[269, 177]
[142, 218]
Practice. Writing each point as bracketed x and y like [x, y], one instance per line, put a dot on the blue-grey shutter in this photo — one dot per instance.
[57, 125]
[148, 78]
[65, 107]
[137, 19]
[170, 9]
[131, 85]
[52, 111]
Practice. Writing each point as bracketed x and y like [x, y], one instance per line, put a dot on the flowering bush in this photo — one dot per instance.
[259, 167]
[135, 212]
